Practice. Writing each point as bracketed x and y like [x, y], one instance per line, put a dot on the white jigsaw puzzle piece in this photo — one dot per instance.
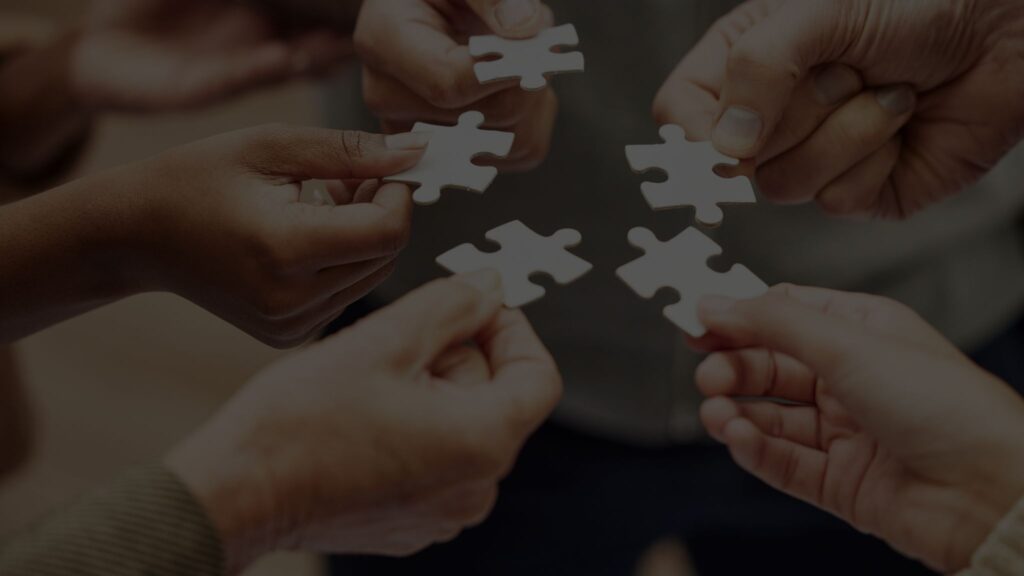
[448, 160]
[523, 252]
[681, 264]
[691, 177]
[531, 60]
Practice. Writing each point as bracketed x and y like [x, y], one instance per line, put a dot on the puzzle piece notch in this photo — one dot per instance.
[448, 159]
[523, 253]
[691, 178]
[681, 264]
[531, 60]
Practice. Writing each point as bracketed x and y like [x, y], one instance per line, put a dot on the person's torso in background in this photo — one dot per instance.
[627, 373]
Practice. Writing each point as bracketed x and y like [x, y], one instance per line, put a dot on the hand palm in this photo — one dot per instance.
[865, 484]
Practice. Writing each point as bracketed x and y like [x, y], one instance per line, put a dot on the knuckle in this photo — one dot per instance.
[838, 202]
[275, 257]
[445, 92]
[392, 234]
[354, 144]
[749, 60]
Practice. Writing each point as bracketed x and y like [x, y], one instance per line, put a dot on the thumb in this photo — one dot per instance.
[305, 153]
[765, 66]
[825, 343]
[512, 18]
[432, 319]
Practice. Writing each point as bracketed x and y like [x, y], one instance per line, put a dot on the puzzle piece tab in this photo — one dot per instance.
[448, 160]
[523, 252]
[531, 60]
[691, 177]
[681, 264]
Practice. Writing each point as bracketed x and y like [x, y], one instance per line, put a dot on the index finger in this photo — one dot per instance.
[330, 236]
[414, 43]
[689, 96]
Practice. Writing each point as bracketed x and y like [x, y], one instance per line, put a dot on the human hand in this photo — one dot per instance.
[417, 67]
[888, 426]
[220, 223]
[868, 107]
[384, 439]
[168, 54]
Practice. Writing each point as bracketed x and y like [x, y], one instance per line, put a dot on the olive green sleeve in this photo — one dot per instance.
[145, 523]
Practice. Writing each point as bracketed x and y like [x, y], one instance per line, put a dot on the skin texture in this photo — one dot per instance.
[889, 427]
[146, 56]
[384, 439]
[219, 222]
[868, 107]
[166, 54]
[417, 67]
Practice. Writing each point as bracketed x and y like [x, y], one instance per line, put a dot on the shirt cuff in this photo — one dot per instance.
[145, 523]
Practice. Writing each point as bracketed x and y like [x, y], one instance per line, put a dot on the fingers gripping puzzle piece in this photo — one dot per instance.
[691, 177]
[448, 160]
[681, 264]
[523, 252]
[531, 59]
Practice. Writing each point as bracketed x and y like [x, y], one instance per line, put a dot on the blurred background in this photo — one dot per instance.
[161, 366]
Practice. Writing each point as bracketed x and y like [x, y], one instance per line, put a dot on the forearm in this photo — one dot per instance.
[42, 122]
[61, 254]
[147, 523]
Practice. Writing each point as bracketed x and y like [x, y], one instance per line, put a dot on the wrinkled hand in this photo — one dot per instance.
[384, 439]
[417, 67]
[220, 222]
[167, 54]
[889, 427]
[869, 107]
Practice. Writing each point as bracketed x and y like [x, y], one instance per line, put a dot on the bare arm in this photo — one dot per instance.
[42, 123]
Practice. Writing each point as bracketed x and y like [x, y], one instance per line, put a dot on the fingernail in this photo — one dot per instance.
[512, 14]
[716, 304]
[738, 130]
[897, 100]
[486, 281]
[407, 141]
[836, 84]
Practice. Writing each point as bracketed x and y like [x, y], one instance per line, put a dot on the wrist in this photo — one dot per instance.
[101, 221]
[234, 490]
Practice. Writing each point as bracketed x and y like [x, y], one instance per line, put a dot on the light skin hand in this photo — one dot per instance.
[887, 425]
[167, 54]
[868, 107]
[417, 67]
[219, 222]
[384, 439]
